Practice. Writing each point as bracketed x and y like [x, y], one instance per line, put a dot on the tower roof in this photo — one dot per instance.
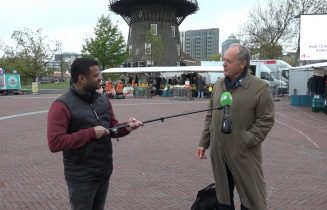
[125, 7]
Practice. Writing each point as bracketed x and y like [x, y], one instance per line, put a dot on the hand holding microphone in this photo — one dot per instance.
[226, 101]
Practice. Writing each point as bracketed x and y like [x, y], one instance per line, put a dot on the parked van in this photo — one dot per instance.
[277, 68]
[260, 70]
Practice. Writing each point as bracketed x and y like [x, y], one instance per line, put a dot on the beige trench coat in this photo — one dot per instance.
[252, 114]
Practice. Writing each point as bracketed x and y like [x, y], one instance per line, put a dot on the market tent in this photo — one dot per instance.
[165, 69]
[309, 66]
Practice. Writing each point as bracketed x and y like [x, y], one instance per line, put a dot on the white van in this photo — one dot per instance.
[276, 67]
[260, 70]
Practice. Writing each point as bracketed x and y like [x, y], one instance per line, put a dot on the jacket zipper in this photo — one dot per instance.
[95, 113]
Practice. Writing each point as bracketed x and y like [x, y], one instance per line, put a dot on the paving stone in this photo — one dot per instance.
[155, 166]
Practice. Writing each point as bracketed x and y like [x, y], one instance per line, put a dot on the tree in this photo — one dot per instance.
[274, 28]
[157, 47]
[269, 28]
[63, 66]
[108, 46]
[214, 57]
[31, 53]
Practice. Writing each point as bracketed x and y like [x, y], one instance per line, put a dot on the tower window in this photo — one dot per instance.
[173, 34]
[147, 50]
[130, 31]
[154, 29]
[178, 50]
[130, 47]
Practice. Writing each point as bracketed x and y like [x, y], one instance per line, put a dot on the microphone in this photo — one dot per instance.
[226, 101]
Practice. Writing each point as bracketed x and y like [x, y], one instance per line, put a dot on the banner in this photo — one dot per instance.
[35, 87]
[2, 82]
[313, 42]
[10, 82]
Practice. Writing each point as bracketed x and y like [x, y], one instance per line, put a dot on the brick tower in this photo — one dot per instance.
[158, 19]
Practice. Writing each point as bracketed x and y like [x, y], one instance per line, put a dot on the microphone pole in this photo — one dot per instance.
[162, 119]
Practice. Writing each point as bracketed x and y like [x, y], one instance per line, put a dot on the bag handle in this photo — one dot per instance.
[209, 187]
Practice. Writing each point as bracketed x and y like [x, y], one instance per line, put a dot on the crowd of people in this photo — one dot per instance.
[157, 84]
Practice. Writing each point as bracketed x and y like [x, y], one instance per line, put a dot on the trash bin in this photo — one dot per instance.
[318, 103]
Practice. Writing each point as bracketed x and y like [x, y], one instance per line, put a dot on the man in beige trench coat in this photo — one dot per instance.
[237, 157]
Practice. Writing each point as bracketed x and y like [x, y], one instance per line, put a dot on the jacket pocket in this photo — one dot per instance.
[245, 139]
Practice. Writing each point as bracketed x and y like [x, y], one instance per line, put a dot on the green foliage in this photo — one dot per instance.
[63, 66]
[108, 45]
[157, 46]
[290, 59]
[112, 77]
[267, 51]
[214, 57]
[30, 54]
[60, 85]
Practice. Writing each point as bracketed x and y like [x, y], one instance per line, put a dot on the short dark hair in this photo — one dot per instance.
[244, 55]
[81, 66]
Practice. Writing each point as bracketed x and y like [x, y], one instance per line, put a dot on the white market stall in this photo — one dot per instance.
[177, 91]
[299, 86]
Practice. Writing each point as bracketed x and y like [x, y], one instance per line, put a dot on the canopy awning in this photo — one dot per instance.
[165, 69]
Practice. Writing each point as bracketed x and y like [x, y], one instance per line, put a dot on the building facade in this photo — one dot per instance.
[59, 67]
[153, 38]
[230, 40]
[201, 44]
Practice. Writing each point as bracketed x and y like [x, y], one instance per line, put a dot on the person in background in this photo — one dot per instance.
[109, 89]
[119, 87]
[136, 80]
[200, 85]
[78, 126]
[237, 157]
[158, 85]
[130, 79]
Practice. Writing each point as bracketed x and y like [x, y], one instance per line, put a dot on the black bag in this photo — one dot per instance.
[206, 199]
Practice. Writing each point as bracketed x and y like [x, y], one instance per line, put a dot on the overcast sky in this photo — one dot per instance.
[71, 21]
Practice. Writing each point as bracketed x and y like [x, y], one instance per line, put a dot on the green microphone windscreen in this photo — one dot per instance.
[226, 99]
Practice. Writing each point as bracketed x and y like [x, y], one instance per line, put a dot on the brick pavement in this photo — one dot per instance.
[155, 166]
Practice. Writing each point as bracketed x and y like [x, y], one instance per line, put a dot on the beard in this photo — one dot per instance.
[91, 87]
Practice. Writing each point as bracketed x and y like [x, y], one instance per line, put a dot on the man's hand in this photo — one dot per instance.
[200, 153]
[100, 131]
[133, 124]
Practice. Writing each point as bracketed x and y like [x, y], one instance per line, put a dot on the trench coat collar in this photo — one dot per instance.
[245, 82]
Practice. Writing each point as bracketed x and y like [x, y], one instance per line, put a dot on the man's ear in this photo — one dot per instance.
[243, 64]
[81, 78]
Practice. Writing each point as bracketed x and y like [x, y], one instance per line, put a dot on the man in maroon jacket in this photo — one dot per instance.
[78, 123]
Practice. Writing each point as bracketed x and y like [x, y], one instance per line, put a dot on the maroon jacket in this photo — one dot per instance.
[58, 122]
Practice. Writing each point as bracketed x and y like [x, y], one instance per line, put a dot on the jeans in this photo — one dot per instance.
[200, 93]
[88, 195]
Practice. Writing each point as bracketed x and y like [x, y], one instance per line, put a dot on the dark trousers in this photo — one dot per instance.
[88, 195]
[231, 186]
